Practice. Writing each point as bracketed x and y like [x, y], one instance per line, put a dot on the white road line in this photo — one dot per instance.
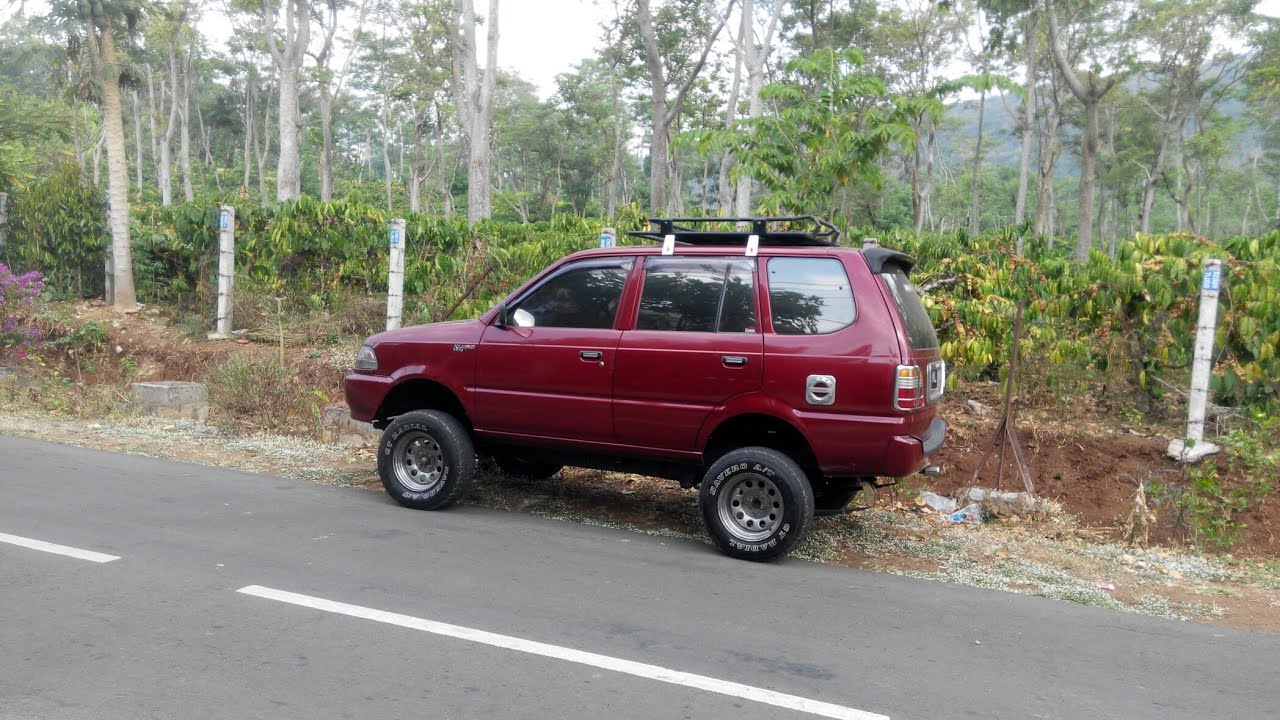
[605, 662]
[48, 547]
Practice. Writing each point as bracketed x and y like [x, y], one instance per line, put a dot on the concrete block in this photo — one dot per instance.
[338, 427]
[185, 400]
[1190, 452]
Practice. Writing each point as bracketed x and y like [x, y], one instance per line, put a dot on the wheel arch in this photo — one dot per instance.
[764, 430]
[420, 394]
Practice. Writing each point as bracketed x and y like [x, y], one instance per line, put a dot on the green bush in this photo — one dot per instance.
[59, 227]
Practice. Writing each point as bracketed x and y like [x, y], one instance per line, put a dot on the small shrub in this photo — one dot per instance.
[264, 392]
[1207, 508]
[19, 304]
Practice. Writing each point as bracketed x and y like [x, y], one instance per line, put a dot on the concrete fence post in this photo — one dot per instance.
[868, 242]
[1194, 447]
[226, 270]
[608, 237]
[395, 274]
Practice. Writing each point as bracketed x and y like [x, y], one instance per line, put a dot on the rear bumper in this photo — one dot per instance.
[365, 394]
[909, 454]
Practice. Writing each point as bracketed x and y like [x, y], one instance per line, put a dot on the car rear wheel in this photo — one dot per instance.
[524, 466]
[426, 460]
[756, 503]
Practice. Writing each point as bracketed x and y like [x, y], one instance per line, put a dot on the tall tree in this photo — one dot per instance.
[1105, 25]
[665, 109]
[287, 51]
[754, 57]
[473, 93]
[100, 23]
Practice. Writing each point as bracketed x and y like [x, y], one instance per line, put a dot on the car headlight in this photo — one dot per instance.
[367, 359]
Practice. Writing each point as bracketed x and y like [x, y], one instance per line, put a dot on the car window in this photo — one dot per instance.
[914, 317]
[577, 298]
[695, 295]
[809, 296]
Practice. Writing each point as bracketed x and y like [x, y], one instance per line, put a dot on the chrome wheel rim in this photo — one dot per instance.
[750, 507]
[418, 461]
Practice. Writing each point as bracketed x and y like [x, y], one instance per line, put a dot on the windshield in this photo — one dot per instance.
[916, 319]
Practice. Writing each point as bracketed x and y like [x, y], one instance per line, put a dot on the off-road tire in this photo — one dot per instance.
[426, 460]
[526, 466]
[756, 503]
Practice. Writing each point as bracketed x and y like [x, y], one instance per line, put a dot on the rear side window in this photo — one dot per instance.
[697, 296]
[914, 317]
[809, 296]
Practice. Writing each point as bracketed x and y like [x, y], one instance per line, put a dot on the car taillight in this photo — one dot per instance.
[908, 390]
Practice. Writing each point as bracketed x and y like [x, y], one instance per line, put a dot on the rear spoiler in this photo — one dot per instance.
[878, 257]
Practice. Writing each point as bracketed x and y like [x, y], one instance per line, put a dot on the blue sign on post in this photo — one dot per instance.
[224, 220]
[1212, 279]
[395, 236]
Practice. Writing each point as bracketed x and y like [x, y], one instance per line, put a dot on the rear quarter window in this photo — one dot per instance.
[809, 296]
[915, 318]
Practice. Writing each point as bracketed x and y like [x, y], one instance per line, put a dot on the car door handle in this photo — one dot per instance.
[733, 360]
[590, 354]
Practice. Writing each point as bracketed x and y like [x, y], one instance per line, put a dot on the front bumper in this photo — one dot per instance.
[365, 394]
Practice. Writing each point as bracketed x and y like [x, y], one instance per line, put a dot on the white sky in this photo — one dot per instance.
[538, 39]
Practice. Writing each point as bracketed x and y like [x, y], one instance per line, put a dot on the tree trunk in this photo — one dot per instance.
[165, 171]
[724, 188]
[977, 167]
[288, 163]
[151, 119]
[124, 298]
[326, 142]
[755, 58]
[474, 97]
[1090, 96]
[1157, 164]
[288, 62]
[657, 111]
[137, 141]
[184, 144]
[1048, 160]
[1028, 125]
[1088, 180]
[249, 93]
[664, 112]
[615, 161]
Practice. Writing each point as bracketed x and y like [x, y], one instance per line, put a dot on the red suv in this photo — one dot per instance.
[780, 372]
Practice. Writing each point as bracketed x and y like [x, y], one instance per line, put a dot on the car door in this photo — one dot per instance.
[549, 372]
[695, 344]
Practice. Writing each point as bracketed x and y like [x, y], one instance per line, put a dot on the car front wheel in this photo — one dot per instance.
[756, 503]
[426, 460]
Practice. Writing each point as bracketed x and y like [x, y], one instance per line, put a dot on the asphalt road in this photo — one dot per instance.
[235, 595]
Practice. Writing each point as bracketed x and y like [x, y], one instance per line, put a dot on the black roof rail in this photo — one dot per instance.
[819, 233]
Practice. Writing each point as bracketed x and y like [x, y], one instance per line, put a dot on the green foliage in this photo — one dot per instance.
[59, 228]
[1133, 317]
[1137, 313]
[834, 124]
[1208, 506]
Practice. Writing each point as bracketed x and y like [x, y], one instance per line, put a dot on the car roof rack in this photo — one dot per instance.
[685, 231]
